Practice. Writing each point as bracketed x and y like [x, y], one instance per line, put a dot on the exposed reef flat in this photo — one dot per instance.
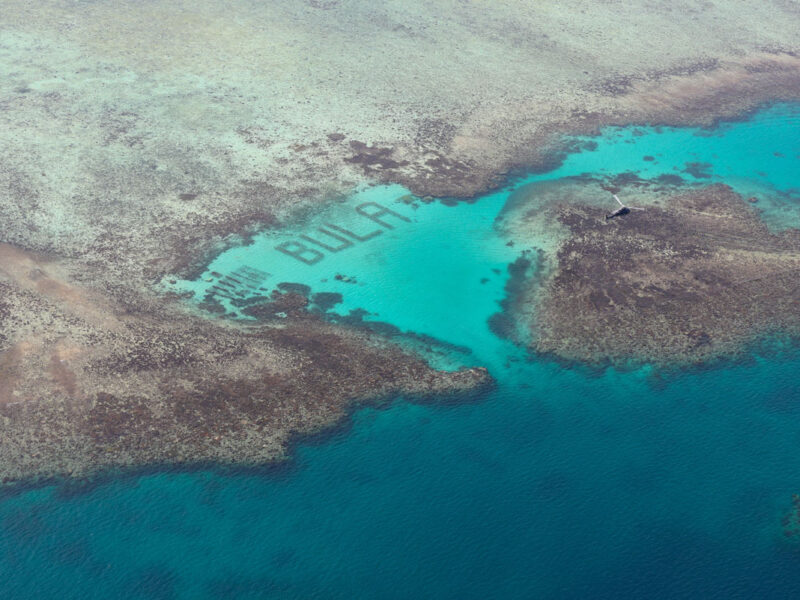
[138, 139]
[694, 277]
[86, 384]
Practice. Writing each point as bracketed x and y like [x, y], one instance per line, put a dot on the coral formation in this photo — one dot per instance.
[695, 276]
[139, 139]
[88, 384]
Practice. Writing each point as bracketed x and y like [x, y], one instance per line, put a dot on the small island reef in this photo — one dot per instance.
[695, 277]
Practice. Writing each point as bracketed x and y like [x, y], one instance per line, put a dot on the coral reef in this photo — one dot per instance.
[87, 384]
[695, 276]
[139, 139]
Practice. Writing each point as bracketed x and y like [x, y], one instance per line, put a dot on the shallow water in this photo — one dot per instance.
[561, 484]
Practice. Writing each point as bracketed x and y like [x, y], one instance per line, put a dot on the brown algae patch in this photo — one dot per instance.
[694, 277]
[165, 387]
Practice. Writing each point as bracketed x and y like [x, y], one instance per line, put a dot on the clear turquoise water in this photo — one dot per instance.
[560, 484]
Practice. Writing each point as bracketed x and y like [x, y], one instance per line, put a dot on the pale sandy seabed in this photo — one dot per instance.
[137, 138]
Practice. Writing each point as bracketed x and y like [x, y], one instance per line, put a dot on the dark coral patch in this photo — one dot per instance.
[698, 170]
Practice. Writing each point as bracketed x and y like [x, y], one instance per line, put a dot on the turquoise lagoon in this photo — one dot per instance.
[561, 483]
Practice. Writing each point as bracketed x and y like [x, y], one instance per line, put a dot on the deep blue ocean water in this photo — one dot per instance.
[562, 483]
